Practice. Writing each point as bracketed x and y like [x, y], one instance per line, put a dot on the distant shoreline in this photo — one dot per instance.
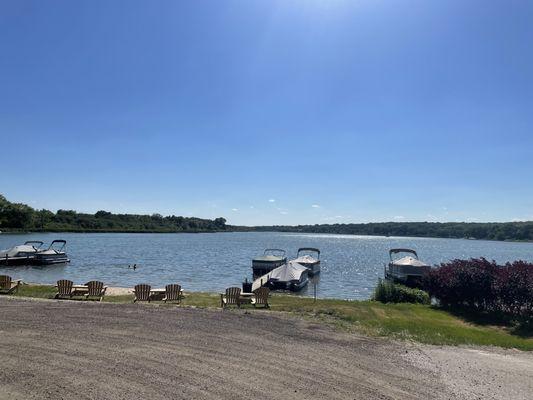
[17, 218]
[21, 232]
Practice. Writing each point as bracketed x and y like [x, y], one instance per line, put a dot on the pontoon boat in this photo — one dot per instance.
[407, 269]
[20, 255]
[290, 276]
[52, 255]
[271, 258]
[307, 260]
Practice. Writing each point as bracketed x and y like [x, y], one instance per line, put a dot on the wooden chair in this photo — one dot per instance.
[142, 293]
[172, 293]
[232, 297]
[64, 289]
[261, 297]
[7, 286]
[95, 289]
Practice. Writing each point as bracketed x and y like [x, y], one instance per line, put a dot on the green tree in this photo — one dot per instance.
[43, 218]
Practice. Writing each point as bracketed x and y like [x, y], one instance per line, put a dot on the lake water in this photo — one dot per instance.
[350, 264]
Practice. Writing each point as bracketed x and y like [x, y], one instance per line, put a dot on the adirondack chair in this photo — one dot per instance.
[95, 289]
[142, 293]
[7, 286]
[261, 297]
[232, 297]
[172, 293]
[64, 289]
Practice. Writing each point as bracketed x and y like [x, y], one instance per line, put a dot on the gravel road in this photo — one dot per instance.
[70, 349]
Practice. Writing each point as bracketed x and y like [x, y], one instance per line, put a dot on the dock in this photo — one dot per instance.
[260, 281]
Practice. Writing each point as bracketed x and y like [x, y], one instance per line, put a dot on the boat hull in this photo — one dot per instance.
[6, 261]
[293, 286]
[49, 259]
[261, 267]
[408, 275]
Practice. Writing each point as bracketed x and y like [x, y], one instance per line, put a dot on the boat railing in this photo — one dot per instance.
[62, 242]
[308, 249]
[396, 251]
[32, 242]
[280, 252]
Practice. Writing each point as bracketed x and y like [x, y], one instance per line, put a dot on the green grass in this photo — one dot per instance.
[416, 322]
[39, 291]
[421, 323]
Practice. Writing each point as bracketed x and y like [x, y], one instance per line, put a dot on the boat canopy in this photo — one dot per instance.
[271, 256]
[290, 271]
[34, 243]
[274, 252]
[268, 258]
[409, 261]
[62, 243]
[309, 249]
[396, 251]
[14, 251]
[59, 247]
[307, 259]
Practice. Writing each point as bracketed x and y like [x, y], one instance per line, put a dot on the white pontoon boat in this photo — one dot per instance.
[20, 255]
[52, 255]
[311, 262]
[271, 258]
[290, 276]
[407, 269]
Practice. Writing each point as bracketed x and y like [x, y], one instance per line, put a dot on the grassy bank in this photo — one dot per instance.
[421, 323]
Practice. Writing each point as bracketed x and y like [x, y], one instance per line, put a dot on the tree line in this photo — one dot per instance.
[21, 217]
[520, 231]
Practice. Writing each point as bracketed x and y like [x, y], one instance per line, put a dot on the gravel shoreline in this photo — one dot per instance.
[87, 350]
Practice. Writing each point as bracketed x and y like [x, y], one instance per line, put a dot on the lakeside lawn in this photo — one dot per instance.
[421, 323]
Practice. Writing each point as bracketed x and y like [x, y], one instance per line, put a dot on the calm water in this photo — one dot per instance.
[214, 261]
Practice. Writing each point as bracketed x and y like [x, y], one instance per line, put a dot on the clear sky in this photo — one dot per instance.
[270, 112]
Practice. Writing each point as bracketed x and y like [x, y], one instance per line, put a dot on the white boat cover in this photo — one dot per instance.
[268, 258]
[12, 252]
[290, 271]
[409, 261]
[307, 259]
[50, 251]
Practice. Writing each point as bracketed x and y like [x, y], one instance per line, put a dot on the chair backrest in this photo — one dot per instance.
[64, 287]
[5, 282]
[95, 288]
[142, 292]
[172, 292]
[233, 295]
[261, 295]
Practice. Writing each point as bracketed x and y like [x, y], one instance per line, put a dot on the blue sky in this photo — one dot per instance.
[270, 112]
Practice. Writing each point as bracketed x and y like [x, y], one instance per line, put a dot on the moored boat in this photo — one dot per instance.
[290, 276]
[55, 254]
[311, 262]
[271, 258]
[408, 269]
[21, 254]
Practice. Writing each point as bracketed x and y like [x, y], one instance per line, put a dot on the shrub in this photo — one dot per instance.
[467, 283]
[513, 288]
[388, 292]
[481, 285]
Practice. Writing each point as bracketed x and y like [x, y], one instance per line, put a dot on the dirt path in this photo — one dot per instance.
[68, 349]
